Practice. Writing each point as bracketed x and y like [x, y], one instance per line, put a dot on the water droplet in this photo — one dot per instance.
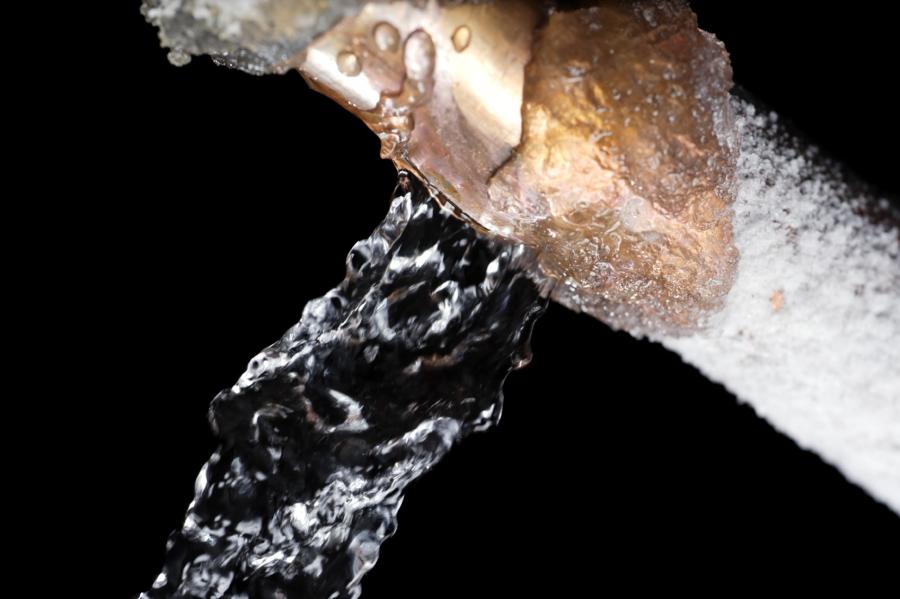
[179, 58]
[418, 55]
[348, 63]
[387, 38]
[461, 38]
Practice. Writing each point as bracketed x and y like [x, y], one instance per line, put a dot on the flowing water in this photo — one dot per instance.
[371, 388]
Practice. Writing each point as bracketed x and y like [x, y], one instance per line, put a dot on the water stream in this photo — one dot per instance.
[371, 388]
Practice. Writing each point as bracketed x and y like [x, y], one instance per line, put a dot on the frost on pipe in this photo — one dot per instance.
[369, 390]
[810, 332]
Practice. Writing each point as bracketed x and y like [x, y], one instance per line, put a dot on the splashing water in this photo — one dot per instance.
[371, 388]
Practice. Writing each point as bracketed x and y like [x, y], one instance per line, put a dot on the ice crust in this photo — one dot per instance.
[256, 36]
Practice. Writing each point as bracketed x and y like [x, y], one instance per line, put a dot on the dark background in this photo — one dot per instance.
[211, 205]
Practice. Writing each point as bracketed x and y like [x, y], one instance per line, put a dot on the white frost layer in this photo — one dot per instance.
[810, 336]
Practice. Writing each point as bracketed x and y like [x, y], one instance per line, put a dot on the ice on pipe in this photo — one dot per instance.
[810, 333]
[624, 176]
[256, 36]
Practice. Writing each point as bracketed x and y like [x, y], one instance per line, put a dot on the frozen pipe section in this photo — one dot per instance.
[606, 139]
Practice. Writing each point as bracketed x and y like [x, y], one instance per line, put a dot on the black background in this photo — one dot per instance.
[215, 204]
